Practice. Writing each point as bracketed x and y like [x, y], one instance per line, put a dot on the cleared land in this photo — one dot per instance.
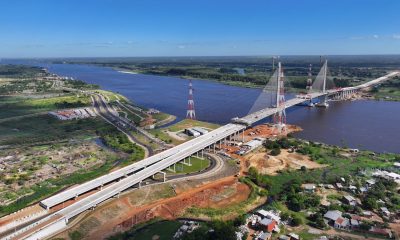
[272, 165]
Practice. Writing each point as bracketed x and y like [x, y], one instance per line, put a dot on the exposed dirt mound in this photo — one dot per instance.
[272, 164]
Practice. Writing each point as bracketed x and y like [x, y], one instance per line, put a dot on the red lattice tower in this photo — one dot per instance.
[190, 113]
[280, 115]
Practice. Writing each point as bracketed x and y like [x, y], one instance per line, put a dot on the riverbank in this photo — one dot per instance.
[346, 122]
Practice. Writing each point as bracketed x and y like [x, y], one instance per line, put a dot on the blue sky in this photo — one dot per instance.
[95, 28]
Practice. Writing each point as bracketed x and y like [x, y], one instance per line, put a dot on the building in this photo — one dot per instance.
[342, 223]
[354, 223]
[367, 214]
[332, 216]
[264, 236]
[191, 132]
[253, 144]
[293, 236]
[270, 215]
[268, 224]
[71, 114]
[370, 182]
[202, 131]
[283, 237]
[384, 232]
[349, 200]
[309, 187]
[385, 211]
[152, 111]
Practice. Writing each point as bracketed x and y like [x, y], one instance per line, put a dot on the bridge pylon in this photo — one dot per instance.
[280, 115]
[324, 102]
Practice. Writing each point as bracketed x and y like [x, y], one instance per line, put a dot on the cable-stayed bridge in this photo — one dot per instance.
[134, 174]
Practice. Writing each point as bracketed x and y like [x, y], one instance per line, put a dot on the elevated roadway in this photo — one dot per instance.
[135, 173]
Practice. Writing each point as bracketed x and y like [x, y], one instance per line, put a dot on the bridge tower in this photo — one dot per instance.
[324, 102]
[190, 113]
[309, 79]
[280, 115]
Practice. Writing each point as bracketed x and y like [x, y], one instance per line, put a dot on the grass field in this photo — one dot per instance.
[14, 106]
[46, 128]
[187, 123]
[159, 133]
[197, 164]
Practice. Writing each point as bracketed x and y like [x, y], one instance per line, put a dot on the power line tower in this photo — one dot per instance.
[190, 113]
[280, 115]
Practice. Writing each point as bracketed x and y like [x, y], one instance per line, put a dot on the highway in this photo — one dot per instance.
[219, 134]
[135, 173]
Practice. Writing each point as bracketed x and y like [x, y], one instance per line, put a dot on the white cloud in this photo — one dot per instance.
[375, 36]
[181, 46]
[396, 36]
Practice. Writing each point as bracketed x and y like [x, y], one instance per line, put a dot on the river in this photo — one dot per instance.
[363, 124]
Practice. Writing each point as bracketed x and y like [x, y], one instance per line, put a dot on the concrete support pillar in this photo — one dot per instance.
[220, 144]
[202, 153]
[243, 136]
[214, 147]
[140, 185]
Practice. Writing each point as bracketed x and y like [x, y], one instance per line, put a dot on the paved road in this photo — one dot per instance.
[136, 173]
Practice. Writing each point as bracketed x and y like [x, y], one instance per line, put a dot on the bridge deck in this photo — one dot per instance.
[159, 162]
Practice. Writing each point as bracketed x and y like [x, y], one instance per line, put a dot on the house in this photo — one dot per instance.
[329, 186]
[363, 190]
[283, 237]
[367, 214]
[385, 211]
[349, 200]
[332, 216]
[370, 182]
[397, 164]
[356, 217]
[393, 176]
[268, 224]
[264, 236]
[339, 185]
[293, 236]
[270, 215]
[341, 223]
[309, 187]
[352, 188]
[381, 231]
[354, 223]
